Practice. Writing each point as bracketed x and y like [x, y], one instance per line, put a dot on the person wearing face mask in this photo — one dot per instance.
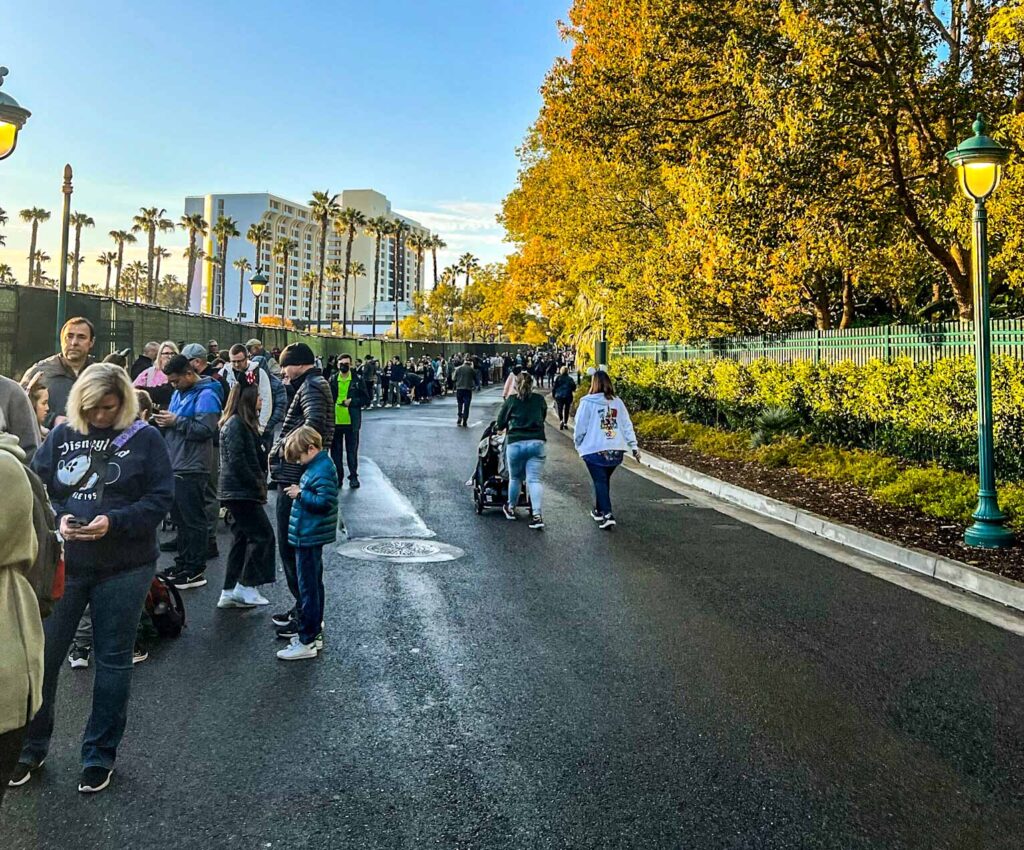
[350, 397]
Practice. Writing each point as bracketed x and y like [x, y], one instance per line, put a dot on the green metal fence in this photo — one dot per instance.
[919, 342]
[28, 316]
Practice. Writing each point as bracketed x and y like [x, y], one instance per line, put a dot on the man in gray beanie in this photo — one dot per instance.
[312, 405]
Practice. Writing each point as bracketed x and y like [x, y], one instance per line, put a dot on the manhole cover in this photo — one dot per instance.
[400, 551]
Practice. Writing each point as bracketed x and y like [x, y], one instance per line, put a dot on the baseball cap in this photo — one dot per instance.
[194, 351]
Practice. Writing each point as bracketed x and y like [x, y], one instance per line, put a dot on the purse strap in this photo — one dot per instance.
[98, 460]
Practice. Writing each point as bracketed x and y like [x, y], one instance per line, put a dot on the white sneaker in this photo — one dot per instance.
[249, 595]
[228, 599]
[296, 650]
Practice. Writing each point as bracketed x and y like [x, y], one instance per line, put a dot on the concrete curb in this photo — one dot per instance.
[962, 576]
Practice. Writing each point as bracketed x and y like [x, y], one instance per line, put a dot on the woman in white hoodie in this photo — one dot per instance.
[603, 434]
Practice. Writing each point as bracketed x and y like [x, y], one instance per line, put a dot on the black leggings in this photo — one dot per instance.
[563, 409]
[251, 560]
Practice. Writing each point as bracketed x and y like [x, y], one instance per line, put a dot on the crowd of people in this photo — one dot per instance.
[186, 436]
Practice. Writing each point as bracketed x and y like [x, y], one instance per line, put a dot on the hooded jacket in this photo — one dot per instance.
[603, 425]
[313, 520]
[191, 439]
[21, 629]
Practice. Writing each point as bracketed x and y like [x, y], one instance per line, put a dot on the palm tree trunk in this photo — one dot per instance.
[120, 262]
[241, 283]
[348, 264]
[224, 276]
[323, 258]
[191, 268]
[156, 277]
[78, 257]
[376, 283]
[32, 253]
[284, 289]
[106, 291]
[149, 269]
[398, 238]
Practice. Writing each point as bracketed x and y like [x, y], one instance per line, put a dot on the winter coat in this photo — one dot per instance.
[58, 377]
[243, 477]
[17, 416]
[603, 425]
[465, 377]
[564, 388]
[21, 629]
[311, 405]
[191, 440]
[314, 517]
[137, 495]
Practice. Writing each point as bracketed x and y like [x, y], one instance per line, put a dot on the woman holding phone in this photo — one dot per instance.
[109, 478]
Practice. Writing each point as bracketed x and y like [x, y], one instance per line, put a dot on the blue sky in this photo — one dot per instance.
[424, 101]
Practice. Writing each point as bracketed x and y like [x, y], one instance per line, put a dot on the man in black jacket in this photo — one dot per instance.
[313, 405]
[348, 419]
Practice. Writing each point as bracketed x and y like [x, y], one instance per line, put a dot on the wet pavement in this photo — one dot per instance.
[685, 681]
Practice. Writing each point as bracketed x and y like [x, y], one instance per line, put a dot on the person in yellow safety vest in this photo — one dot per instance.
[350, 397]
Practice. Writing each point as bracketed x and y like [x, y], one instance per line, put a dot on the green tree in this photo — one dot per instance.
[259, 234]
[78, 221]
[150, 220]
[399, 229]
[196, 226]
[334, 272]
[40, 258]
[120, 237]
[33, 216]
[348, 222]
[243, 265]
[107, 259]
[6, 274]
[3, 221]
[468, 265]
[159, 253]
[354, 270]
[224, 229]
[283, 248]
[436, 244]
[323, 207]
[377, 227]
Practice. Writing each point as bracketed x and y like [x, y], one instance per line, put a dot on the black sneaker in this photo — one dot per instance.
[596, 516]
[283, 619]
[536, 521]
[94, 779]
[289, 631]
[79, 657]
[22, 773]
[509, 511]
[607, 521]
[353, 483]
[188, 578]
[169, 545]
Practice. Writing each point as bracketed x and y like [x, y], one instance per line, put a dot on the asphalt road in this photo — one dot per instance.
[685, 681]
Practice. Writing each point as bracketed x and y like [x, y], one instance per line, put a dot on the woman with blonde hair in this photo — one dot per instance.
[522, 416]
[153, 379]
[110, 482]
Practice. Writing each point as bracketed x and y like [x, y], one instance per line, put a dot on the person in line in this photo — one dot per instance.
[21, 629]
[240, 365]
[372, 384]
[109, 478]
[154, 381]
[522, 418]
[189, 427]
[59, 372]
[397, 380]
[509, 389]
[312, 523]
[603, 434]
[258, 353]
[242, 489]
[118, 358]
[465, 381]
[18, 416]
[312, 405]
[210, 352]
[563, 388]
[350, 397]
[145, 360]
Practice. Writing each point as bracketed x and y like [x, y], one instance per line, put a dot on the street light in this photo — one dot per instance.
[258, 285]
[12, 119]
[501, 327]
[979, 164]
[451, 324]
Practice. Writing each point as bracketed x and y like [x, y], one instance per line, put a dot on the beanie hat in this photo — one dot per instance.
[297, 354]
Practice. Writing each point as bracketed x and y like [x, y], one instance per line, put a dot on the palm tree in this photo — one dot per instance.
[40, 257]
[419, 242]
[120, 237]
[378, 227]
[349, 221]
[334, 272]
[243, 265]
[436, 242]
[6, 273]
[3, 220]
[468, 264]
[258, 234]
[33, 216]
[224, 229]
[324, 207]
[74, 262]
[159, 253]
[196, 226]
[108, 259]
[308, 281]
[135, 273]
[78, 221]
[398, 231]
[281, 251]
[354, 270]
[150, 220]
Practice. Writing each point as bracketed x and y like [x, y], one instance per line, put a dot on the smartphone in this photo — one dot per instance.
[77, 522]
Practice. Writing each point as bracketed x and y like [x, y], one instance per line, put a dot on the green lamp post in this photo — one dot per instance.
[979, 164]
[258, 285]
[12, 119]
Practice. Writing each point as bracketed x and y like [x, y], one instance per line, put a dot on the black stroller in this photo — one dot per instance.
[490, 479]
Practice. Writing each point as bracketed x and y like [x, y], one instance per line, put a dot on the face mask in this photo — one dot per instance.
[344, 367]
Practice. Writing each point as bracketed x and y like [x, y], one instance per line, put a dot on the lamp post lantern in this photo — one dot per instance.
[12, 118]
[258, 285]
[979, 164]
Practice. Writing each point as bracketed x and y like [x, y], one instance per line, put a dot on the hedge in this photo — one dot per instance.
[920, 412]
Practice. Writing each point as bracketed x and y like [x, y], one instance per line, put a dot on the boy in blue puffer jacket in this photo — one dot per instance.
[312, 523]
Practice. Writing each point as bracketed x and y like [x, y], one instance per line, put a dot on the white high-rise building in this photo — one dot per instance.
[288, 293]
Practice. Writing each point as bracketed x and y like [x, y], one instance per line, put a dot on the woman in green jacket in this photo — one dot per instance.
[522, 417]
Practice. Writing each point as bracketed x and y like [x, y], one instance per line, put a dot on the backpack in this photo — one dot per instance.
[164, 608]
[46, 574]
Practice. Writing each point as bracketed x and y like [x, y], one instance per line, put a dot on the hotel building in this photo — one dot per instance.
[287, 295]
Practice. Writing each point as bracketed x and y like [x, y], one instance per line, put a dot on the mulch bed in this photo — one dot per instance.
[850, 505]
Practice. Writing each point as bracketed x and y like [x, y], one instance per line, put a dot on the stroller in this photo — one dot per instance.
[490, 479]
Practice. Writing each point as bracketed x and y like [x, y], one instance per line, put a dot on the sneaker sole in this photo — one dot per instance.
[604, 525]
[93, 789]
[186, 585]
[288, 636]
[234, 603]
[79, 665]
[12, 784]
[138, 659]
[306, 656]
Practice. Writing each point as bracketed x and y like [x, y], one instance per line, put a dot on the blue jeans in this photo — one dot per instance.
[116, 605]
[526, 460]
[309, 564]
[601, 473]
